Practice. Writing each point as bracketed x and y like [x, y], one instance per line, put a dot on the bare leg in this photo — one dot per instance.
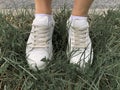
[43, 6]
[81, 7]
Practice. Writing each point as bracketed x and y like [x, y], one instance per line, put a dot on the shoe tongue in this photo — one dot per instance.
[80, 24]
[41, 21]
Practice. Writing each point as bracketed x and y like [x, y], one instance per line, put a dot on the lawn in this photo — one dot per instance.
[103, 74]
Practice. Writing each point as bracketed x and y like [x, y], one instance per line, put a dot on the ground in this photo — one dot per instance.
[103, 74]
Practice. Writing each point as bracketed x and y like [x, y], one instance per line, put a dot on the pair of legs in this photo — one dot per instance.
[39, 44]
[80, 8]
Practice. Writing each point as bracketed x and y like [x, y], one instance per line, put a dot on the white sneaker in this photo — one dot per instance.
[39, 44]
[79, 42]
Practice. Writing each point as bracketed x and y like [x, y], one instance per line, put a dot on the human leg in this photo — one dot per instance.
[81, 7]
[39, 44]
[79, 41]
[43, 6]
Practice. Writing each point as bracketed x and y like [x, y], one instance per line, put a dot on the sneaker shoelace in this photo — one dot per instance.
[40, 36]
[79, 38]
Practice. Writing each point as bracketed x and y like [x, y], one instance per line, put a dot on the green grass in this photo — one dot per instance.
[103, 74]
